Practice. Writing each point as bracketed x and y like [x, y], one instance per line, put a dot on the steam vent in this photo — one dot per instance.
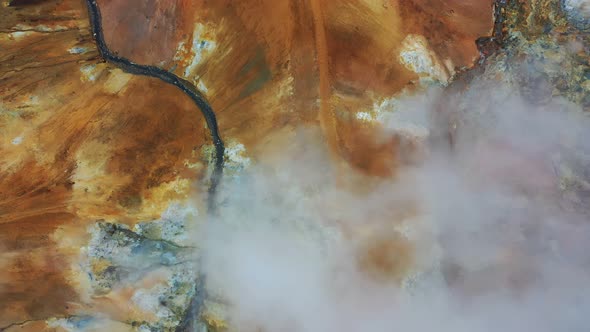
[295, 165]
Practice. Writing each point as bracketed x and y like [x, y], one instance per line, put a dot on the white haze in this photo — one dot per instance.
[284, 254]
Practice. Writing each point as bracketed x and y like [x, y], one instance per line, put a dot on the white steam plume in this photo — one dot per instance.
[479, 236]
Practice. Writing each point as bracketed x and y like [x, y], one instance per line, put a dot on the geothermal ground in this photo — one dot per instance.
[282, 165]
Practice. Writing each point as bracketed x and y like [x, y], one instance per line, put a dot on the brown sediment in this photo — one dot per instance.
[451, 26]
[154, 26]
[326, 115]
[33, 285]
[386, 257]
[336, 58]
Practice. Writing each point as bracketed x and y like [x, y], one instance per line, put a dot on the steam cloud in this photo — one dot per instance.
[488, 233]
